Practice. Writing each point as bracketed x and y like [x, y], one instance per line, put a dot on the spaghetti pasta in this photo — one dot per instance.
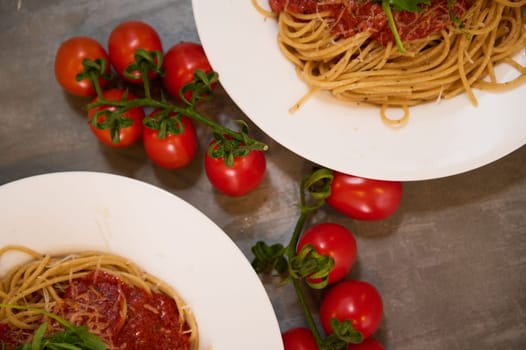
[346, 47]
[46, 282]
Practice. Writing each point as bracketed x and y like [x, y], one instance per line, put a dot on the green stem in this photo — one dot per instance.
[291, 248]
[317, 186]
[291, 252]
[192, 113]
[390, 19]
[306, 311]
[146, 81]
[144, 60]
[285, 260]
[94, 77]
[187, 111]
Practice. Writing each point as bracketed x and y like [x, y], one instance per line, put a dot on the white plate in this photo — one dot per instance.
[160, 232]
[441, 139]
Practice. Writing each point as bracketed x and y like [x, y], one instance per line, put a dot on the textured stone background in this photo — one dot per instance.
[450, 264]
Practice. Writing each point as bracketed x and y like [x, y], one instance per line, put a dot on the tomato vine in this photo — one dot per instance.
[323, 254]
[297, 266]
[202, 90]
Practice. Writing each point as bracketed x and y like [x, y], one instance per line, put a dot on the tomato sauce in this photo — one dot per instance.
[10, 338]
[125, 317]
[350, 17]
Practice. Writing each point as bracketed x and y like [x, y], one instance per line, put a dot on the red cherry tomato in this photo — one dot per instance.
[244, 176]
[127, 135]
[356, 301]
[364, 199]
[332, 240]
[299, 338]
[180, 62]
[125, 39]
[68, 63]
[367, 344]
[173, 151]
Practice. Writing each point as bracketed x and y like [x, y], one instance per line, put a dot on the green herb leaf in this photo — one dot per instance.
[269, 258]
[408, 5]
[39, 334]
[400, 5]
[72, 338]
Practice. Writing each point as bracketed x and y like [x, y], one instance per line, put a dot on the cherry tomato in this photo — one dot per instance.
[332, 240]
[127, 135]
[367, 344]
[173, 151]
[180, 63]
[353, 300]
[299, 338]
[125, 39]
[364, 199]
[244, 176]
[68, 63]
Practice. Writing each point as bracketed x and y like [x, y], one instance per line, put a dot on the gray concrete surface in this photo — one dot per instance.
[450, 264]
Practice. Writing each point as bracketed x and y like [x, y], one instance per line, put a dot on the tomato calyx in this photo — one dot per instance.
[94, 69]
[112, 119]
[343, 334]
[309, 263]
[228, 147]
[145, 63]
[165, 122]
[201, 87]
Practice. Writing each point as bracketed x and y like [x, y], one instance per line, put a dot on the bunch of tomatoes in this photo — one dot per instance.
[234, 163]
[323, 255]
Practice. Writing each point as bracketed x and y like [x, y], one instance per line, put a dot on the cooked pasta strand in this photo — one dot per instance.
[454, 61]
[38, 282]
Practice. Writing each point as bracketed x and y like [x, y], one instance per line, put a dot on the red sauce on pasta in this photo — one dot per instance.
[350, 17]
[125, 317]
[10, 338]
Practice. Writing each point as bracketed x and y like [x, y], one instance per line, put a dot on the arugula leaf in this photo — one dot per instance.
[76, 338]
[456, 21]
[408, 5]
[400, 5]
[72, 338]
